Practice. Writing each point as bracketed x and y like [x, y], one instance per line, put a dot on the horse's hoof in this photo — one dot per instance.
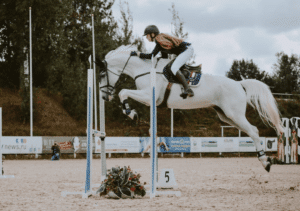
[266, 162]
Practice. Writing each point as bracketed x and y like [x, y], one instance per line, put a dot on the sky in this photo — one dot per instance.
[222, 31]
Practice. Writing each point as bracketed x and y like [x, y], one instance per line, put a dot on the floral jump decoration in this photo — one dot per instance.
[122, 183]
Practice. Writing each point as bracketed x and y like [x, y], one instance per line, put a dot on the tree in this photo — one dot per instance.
[177, 29]
[245, 69]
[125, 34]
[286, 73]
[126, 23]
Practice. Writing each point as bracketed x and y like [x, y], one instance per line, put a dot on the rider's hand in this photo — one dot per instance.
[133, 53]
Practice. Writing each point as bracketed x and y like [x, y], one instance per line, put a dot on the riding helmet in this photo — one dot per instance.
[151, 29]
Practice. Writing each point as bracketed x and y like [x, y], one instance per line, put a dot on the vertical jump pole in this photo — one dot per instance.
[172, 122]
[89, 131]
[89, 147]
[1, 143]
[94, 66]
[30, 40]
[102, 132]
[153, 129]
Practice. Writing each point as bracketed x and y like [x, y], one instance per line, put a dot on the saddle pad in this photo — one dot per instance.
[193, 79]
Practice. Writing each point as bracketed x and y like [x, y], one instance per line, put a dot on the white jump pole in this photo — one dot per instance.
[102, 137]
[89, 147]
[153, 137]
[94, 66]
[153, 154]
[1, 166]
[172, 122]
[31, 107]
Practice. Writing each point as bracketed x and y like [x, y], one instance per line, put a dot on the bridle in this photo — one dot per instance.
[104, 73]
[111, 88]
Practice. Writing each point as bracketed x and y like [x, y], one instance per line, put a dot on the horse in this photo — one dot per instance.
[229, 98]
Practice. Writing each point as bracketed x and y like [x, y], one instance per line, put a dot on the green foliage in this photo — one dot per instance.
[245, 69]
[287, 72]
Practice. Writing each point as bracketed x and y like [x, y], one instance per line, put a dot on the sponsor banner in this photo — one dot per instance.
[119, 145]
[162, 145]
[21, 145]
[209, 144]
[246, 144]
[67, 144]
[228, 144]
[174, 144]
[271, 144]
[224, 144]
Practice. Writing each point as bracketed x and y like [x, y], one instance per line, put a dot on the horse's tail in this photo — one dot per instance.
[260, 97]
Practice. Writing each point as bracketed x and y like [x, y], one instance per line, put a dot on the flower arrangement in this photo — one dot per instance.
[122, 183]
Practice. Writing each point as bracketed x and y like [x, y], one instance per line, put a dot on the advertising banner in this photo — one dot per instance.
[228, 144]
[119, 145]
[271, 144]
[67, 144]
[21, 145]
[174, 144]
[246, 144]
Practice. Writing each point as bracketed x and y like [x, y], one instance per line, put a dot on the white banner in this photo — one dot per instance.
[21, 145]
[224, 144]
[119, 145]
[246, 144]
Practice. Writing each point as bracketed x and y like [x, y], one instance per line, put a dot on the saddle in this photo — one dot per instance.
[192, 74]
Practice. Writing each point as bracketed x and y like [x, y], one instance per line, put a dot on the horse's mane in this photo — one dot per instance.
[121, 50]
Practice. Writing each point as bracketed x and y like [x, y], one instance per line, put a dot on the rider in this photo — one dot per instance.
[167, 44]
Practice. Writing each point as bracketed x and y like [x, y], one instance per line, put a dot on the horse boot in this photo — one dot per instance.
[187, 90]
[265, 160]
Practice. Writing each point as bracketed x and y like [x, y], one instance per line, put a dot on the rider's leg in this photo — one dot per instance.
[179, 61]
[187, 90]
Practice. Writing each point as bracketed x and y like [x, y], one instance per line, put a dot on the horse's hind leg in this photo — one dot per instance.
[236, 117]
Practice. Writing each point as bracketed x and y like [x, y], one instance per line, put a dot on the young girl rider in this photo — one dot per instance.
[167, 44]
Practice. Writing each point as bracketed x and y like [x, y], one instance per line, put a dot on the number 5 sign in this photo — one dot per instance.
[167, 179]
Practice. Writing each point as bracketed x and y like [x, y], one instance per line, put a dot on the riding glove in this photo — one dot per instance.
[133, 53]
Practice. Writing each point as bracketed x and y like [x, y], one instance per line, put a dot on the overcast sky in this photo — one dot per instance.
[222, 31]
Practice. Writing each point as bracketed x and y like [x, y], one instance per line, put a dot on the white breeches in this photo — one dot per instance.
[182, 59]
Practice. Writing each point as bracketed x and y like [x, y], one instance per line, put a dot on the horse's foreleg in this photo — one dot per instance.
[141, 96]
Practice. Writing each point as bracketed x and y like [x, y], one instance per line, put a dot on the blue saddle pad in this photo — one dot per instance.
[193, 79]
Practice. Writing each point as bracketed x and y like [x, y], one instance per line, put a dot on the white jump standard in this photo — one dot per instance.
[153, 151]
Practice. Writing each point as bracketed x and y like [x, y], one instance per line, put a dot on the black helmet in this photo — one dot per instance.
[151, 29]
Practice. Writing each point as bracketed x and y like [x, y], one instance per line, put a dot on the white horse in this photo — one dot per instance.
[228, 97]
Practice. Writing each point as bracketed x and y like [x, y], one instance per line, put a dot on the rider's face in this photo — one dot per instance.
[149, 37]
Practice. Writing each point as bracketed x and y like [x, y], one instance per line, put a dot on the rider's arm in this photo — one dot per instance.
[149, 55]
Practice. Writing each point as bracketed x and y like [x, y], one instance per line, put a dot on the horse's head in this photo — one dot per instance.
[111, 69]
[106, 80]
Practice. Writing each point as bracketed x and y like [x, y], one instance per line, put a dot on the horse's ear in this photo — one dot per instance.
[99, 62]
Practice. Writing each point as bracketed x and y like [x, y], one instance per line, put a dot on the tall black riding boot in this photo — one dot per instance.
[187, 90]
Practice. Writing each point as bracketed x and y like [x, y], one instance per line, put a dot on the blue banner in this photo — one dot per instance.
[175, 144]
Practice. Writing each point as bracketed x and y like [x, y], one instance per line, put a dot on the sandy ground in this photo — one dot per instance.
[205, 184]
